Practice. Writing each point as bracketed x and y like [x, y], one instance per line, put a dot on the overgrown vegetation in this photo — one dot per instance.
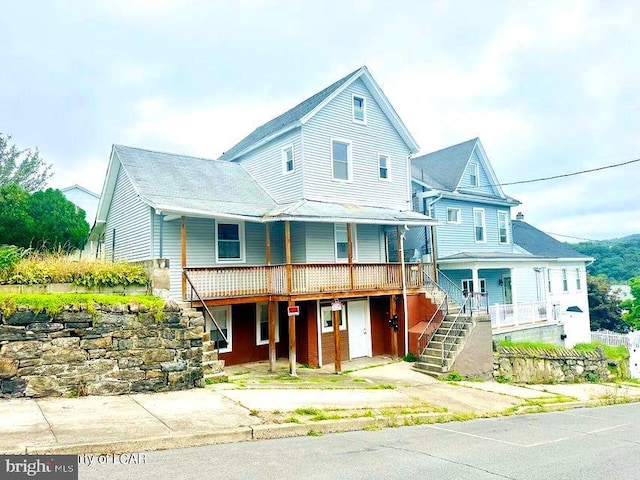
[538, 345]
[55, 303]
[619, 352]
[410, 357]
[28, 267]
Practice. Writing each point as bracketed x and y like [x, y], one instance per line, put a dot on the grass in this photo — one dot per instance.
[618, 352]
[537, 345]
[53, 303]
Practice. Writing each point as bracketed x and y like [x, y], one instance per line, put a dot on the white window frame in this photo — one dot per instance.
[353, 109]
[349, 178]
[327, 308]
[565, 281]
[354, 242]
[259, 341]
[241, 236]
[288, 148]
[211, 327]
[474, 175]
[469, 282]
[505, 215]
[475, 226]
[578, 280]
[387, 167]
[458, 213]
[549, 280]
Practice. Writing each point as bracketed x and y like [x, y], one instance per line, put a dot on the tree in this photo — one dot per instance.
[16, 225]
[632, 306]
[22, 167]
[61, 224]
[44, 220]
[604, 306]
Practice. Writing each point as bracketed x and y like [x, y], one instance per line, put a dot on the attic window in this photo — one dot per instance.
[473, 174]
[287, 159]
[359, 109]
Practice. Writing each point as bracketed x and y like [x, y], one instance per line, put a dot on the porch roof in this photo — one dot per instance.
[314, 211]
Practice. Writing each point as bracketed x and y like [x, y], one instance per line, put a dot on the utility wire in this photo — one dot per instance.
[569, 174]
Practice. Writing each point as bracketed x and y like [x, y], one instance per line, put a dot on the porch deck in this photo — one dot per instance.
[213, 283]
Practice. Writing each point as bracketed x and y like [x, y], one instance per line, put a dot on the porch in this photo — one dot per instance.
[302, 281]
[518, 314]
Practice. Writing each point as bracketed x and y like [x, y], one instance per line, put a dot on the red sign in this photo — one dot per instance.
[293, 311]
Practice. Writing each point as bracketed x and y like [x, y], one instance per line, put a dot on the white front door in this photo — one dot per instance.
[359, 325]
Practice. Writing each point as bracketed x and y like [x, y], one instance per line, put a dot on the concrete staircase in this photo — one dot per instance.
[430, 361]
[212, 366]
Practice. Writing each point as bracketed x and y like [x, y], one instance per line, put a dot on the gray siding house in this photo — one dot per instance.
[298, 213]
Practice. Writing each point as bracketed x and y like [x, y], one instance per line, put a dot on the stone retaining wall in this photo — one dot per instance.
[533, 365]
[115, 350]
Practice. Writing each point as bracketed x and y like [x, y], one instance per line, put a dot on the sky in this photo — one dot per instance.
[550, 87]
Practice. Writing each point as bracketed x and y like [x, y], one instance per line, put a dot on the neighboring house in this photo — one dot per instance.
[295, 214]
[530, 283]
[83, 198]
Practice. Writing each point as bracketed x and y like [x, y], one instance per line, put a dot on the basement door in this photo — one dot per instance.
[359, 325]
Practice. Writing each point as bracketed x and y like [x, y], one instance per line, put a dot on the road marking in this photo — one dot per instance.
[528, 445]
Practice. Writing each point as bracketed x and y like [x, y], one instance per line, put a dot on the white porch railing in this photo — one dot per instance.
[514, 315]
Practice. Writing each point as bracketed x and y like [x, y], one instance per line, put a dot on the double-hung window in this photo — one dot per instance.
[503, 227]
[578, 280]
[383, 167]
[262, 325]
[473, 174]
[341, 160]
[230, 242]
[565, 281]
[222, 316]
[359, 109]
[479, 225]
[287, 159]
[342, 242]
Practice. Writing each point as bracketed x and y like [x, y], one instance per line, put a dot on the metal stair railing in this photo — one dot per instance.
[455, 293]
[454, 331]
[221, 335]
[440, 314]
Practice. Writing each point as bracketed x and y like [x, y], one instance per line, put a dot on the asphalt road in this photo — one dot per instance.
[589, 443]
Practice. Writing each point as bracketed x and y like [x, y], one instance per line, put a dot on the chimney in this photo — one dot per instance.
[519, 216]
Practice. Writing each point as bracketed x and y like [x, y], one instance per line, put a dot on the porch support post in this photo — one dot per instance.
[272, 315]
[292, 322]
[350, 253]
[336, 338]
[183, 254]
[514, 297]
[267, 257]
[476, 285]
[393, 310]
[434, 253]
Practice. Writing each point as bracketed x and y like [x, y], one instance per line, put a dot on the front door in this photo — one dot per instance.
[506, 287]
[358, 323]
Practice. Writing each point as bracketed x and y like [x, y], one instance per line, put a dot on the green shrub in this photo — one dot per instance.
[410, 357]
[452, 376]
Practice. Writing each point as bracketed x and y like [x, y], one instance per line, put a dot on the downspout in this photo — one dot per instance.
[404, 293]
[161, 252]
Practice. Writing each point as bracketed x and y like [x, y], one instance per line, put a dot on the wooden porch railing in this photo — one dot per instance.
[234, 281]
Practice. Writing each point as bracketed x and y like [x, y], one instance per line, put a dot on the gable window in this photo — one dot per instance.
[287, 159]
[578, 280]
[341, 159]
[503, 227]
[453, 215]
[223, 319]
[359, 110]
[565, 282]
[230, 242]
[479, 225]
[473, 174]
[262, 325]
[326, 316]
[342, 242]
[383, 167]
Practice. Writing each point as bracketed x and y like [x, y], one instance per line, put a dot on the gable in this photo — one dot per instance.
[304, 111]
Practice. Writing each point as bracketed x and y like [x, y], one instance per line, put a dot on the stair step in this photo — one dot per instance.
[428, 368]
[220, 377]
[212, 366]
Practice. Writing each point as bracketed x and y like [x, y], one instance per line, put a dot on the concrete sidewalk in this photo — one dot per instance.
[392, 394]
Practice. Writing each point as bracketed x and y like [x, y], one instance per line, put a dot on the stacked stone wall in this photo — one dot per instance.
[112, 350]
[534, 365]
